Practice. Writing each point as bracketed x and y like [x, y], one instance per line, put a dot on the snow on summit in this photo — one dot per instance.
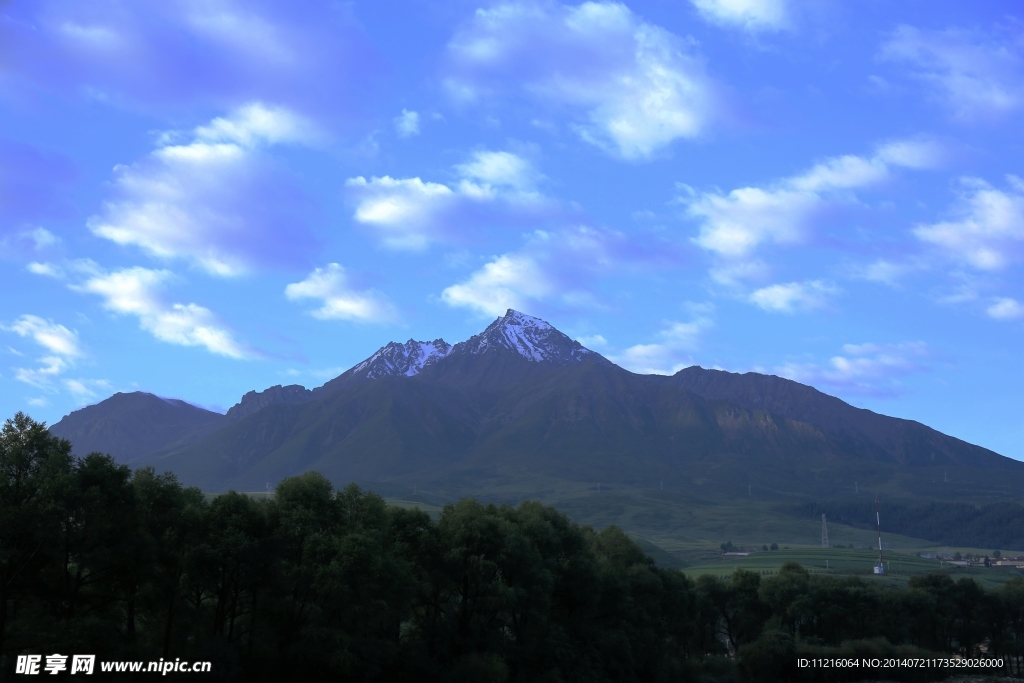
[530, 337]
[403, 359]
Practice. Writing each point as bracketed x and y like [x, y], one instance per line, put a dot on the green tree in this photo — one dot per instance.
[785, 594]
[35, 474]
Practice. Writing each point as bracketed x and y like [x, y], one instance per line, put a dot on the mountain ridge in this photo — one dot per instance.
[521, 401]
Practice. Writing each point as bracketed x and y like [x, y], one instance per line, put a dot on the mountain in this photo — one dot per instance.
[255, 401]
[391, 360]
[131, 425]
[855, 432]
[514, 349]
[523, 410]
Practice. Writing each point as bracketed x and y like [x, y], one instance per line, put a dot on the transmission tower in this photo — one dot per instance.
[824, 533]
[879, 568]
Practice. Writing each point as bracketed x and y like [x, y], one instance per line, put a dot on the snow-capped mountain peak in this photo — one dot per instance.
[403, 359]
[531, 338]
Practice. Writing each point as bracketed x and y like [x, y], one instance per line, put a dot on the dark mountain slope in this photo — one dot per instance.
[131, 425]
[854, 432]
[255, 401]
[596, 421]
[370, 430]
[521, 406]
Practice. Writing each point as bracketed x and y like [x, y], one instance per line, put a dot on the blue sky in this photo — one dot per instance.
[202, 198]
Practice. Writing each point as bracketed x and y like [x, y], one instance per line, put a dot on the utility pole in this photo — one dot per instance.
[824, 534]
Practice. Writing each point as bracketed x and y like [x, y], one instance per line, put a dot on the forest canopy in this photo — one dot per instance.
[315, 582]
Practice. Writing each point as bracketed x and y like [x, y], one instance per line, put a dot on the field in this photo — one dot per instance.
[684, 531]
[840, 562]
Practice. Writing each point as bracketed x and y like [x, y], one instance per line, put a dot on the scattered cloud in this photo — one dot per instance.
[883, 271]
[215, 200]
[734, 225]
[181, 53]
[55, 338]
[988, 231]
[750, 15]
[593, 341]
[45, 269]
[551, 267]
[864, 369]
[341, 300]
[975, 75]
[632, 87]
[793, 296]
[84, 390]
[494, 189]
[508, 281]
[499, 169]
[671, 353]
[407, 124]
[136, 292]
[60, 344]
[1006, 309]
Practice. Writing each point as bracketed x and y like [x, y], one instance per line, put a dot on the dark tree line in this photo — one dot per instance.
[996, 525]
[319, 583]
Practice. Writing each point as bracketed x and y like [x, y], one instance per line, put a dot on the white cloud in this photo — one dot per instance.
[1006, 309]
[42, 238]
[45, 269]
[509, 281]
[989, 231]
[751, 15]
[256, 125]
[871, 369]
[407, 124]
[186, 55]
[60, 343]
[499, 168]
[883, 271]
[793, 296]
[410, 214]
[341, 301]
[29, 241]
[593, 341]
[86, 389]
[670, 353]
[974, 75]
[213, 200]
[53, 337]
[135, 292]
[735, 224]
[551, 267]
[637, 86]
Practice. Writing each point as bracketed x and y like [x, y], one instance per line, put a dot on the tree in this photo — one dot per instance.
[35, 476]
[785, 594]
